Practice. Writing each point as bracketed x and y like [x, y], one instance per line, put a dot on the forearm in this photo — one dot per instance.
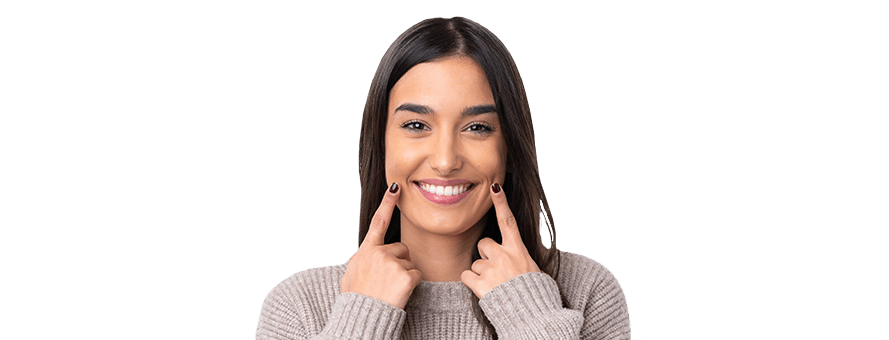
[529, 307]
[354, 316]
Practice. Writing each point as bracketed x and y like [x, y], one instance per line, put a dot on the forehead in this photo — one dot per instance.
[451, 83]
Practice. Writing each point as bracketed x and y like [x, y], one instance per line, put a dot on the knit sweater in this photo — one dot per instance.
[309, 305]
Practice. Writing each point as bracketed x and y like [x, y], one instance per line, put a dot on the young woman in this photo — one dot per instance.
[449, 237]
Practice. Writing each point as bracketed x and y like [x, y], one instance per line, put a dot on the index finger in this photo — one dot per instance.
[509, 230]
[379, 224]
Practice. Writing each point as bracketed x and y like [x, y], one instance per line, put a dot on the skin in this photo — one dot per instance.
[443, 144]
[438, 128]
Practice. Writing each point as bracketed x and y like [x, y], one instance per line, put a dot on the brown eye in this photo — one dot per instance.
[414, 126]
[479, 128]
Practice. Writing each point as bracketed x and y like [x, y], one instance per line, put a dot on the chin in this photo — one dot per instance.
[443, 223]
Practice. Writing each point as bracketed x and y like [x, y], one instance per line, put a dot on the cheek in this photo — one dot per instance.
[501, 168]
[390, 153]
[499, 162]
[401, 159]
[491, 162]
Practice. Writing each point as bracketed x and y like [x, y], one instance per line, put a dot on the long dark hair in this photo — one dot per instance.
[434, 39]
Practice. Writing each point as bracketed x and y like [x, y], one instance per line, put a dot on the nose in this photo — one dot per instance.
[446, 155]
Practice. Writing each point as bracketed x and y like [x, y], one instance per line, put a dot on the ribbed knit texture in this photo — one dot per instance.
[309, 305]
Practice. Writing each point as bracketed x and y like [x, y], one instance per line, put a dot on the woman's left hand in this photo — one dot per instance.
[499, 262]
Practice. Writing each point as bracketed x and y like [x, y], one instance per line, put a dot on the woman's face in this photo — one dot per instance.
[444, 145]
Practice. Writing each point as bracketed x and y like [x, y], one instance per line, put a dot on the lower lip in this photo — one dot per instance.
[442, 199]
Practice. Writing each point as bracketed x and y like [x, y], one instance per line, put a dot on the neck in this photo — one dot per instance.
[440, 257]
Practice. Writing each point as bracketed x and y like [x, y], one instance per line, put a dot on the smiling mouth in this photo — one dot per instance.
[445, 190]
[445, 194]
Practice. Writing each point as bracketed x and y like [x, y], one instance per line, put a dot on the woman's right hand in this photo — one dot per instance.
[378, 270]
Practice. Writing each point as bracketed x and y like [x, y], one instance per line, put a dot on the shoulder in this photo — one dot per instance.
[300, 304]
[582, 279]
[309, 283]
[576, 269]
[589, 287]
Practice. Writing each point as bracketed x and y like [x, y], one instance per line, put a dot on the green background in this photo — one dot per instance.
[164, 165]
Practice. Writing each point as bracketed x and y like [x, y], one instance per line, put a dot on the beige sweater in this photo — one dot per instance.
[309, 305]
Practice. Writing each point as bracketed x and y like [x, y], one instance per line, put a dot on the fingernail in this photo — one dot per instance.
[496, 188]
[394, 188]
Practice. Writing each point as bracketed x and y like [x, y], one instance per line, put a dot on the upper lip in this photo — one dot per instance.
[442, 182]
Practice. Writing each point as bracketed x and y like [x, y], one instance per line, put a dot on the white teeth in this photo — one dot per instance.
[445, 191]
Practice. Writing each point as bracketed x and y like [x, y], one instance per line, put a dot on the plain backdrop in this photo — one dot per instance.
[164, 164]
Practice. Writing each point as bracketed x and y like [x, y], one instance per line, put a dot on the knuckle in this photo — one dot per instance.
[509, 221]
[416, 277]
[378, 254]
[466, 276]
[404, 278]
[379, 222]
[501, 263]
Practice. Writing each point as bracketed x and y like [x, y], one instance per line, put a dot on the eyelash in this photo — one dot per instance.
[411, 126]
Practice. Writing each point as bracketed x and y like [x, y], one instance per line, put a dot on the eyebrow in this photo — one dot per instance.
[423, 109]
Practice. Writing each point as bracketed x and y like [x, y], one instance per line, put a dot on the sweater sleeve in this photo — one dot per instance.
[529, 306]
[605, 314]
[354, 316]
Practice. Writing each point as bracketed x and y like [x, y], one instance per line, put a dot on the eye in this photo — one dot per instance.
[414, 126]
[480, 128]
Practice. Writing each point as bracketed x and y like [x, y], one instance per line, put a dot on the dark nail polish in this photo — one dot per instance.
[496, 188]
[394, 188]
